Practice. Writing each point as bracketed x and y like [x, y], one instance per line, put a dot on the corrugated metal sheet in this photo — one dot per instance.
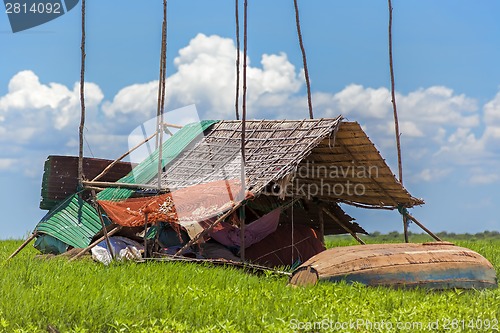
[73, 222]
[148, 169]
[60, 177]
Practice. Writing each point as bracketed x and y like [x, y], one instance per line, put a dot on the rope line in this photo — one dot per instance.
[236, 104]
[304, 59]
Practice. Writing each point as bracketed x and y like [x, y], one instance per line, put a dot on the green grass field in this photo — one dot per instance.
[85, 296]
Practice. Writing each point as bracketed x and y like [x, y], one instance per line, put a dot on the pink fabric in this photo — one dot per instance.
[229, 235]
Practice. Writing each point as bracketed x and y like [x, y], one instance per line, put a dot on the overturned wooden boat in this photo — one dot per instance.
[437, 265]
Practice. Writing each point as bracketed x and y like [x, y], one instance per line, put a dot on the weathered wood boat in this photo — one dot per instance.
[437, 265]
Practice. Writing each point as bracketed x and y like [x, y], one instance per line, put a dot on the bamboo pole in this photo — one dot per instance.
[322, 227]
[105, 171]
[83, 251]
[405, 225]
[23, 245]
[103, 225]
[145, 238]
[353, 234]
[237, 16]
[172, 125]
[242, 233]
[82, 100]
[304, 59]
[124, 185]
[161, 94]
[408, 215]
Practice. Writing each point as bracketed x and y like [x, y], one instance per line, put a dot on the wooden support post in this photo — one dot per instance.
[85, 250]
[23, 245]
[103, 225]
[322, 227]
[242, 233]
[204, 232]
[122, 185]
[145, 235]
[353, 234]
[423, 227]
[105, 171]
[405, 226]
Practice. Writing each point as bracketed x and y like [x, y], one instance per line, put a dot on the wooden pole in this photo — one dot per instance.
[105, 171]
[123, 185]
[405, 225]
[161, 93]
[322, 227]
[103, 225]
[145, 235]
[395, 113]
[82, 100]
[242, 233]
[236, 103]
[304, 59]
[23, 245]
[85, 250]
[423, 227]
[353, 234]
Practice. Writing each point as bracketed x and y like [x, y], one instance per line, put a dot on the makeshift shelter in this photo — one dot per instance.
[303, 168]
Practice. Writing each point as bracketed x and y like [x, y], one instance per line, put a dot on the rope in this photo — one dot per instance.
[304, 59]
[161, 92]
[393, 98]
[82, 101]
[236, 104]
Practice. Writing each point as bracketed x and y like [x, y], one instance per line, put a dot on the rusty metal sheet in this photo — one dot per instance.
[60, 178]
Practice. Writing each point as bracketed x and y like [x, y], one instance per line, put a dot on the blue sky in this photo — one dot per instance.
[447, 79]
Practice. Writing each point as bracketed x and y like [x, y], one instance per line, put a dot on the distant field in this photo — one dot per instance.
[170, 297]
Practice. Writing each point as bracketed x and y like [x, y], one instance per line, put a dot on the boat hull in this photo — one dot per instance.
[429, 265]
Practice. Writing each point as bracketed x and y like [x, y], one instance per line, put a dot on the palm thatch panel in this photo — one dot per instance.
[324, 159]
[273, 150]
[352, 170]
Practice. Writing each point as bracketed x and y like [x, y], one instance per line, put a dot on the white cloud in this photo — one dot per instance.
[33, 112]
[137, 98]
[441, 130]
[366, 102]
[406, 128]
[439, 106]
[492, 110]
[205, 76]
[7, 163]
[479, 177]
[428, 174]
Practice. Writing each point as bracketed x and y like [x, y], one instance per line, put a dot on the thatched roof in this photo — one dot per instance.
[325, 159]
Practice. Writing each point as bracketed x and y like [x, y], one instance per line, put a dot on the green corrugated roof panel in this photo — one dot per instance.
[73, 222]
[148, 169]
